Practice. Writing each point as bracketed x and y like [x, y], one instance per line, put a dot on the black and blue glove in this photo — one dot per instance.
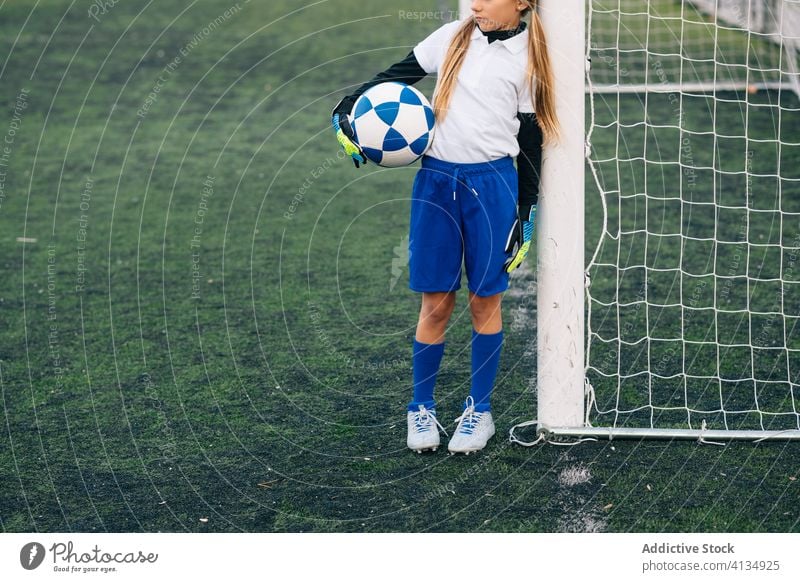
[520, 236]
[346, 137]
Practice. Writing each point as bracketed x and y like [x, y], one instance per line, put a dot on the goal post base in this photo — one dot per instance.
[545, 432]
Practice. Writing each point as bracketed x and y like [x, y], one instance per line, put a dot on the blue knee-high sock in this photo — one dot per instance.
[485, 359]
[426, 360]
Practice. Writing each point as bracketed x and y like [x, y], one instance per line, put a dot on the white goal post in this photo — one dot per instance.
[685, 321]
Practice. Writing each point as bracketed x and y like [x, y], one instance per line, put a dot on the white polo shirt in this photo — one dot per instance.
[481, 124]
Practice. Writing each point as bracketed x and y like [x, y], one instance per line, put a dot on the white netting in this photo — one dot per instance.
[749, 43]
[694, 294]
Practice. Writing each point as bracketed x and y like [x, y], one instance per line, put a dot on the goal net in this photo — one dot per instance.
[694, 45]
[692, 274]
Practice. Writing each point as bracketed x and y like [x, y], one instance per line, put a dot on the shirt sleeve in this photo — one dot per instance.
[524, 104]
[406, 71]
[529, 160]
[430, 52]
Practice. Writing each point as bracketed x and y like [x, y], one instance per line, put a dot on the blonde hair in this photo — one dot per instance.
[542, 95]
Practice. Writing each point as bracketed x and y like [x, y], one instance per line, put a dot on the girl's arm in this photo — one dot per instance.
[529, 162]
[406, 71]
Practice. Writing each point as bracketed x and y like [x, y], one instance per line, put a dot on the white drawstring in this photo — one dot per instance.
[466, 181]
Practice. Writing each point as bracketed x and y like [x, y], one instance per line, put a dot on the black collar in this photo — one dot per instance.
[494, 35]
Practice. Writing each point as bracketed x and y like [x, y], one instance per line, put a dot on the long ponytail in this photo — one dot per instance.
[544, 100]
[446, 83]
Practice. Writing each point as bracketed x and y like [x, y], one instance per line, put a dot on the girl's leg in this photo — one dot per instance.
[487, 343]
[428, 345]
[486, 313]
[434, 316]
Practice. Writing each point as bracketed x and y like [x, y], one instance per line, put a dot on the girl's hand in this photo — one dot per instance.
[519, 239]
[344, 135]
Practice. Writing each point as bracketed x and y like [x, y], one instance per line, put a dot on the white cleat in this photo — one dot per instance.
[474, 430]
[423, 433]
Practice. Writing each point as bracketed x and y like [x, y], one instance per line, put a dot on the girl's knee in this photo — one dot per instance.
[478, 302]
[437, 307]
[484, 308]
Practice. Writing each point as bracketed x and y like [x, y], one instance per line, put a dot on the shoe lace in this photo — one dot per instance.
[422, 420]
[469, 419]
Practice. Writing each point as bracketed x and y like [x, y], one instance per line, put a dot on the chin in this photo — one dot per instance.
[485, 26]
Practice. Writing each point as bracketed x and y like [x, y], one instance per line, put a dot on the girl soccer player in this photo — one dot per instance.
[493, 101]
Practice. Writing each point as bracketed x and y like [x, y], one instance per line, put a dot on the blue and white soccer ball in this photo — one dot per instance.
[393, 123]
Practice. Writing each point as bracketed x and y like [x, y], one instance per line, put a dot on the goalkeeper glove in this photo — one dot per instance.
[345, 134]
[519, 238]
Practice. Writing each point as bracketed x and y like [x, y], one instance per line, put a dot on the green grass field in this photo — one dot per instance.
[213, 322]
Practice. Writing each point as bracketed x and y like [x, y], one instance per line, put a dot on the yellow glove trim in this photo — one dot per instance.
[349, 147]
[519, 257]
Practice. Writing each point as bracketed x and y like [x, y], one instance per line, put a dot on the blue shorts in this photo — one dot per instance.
[461, 212]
